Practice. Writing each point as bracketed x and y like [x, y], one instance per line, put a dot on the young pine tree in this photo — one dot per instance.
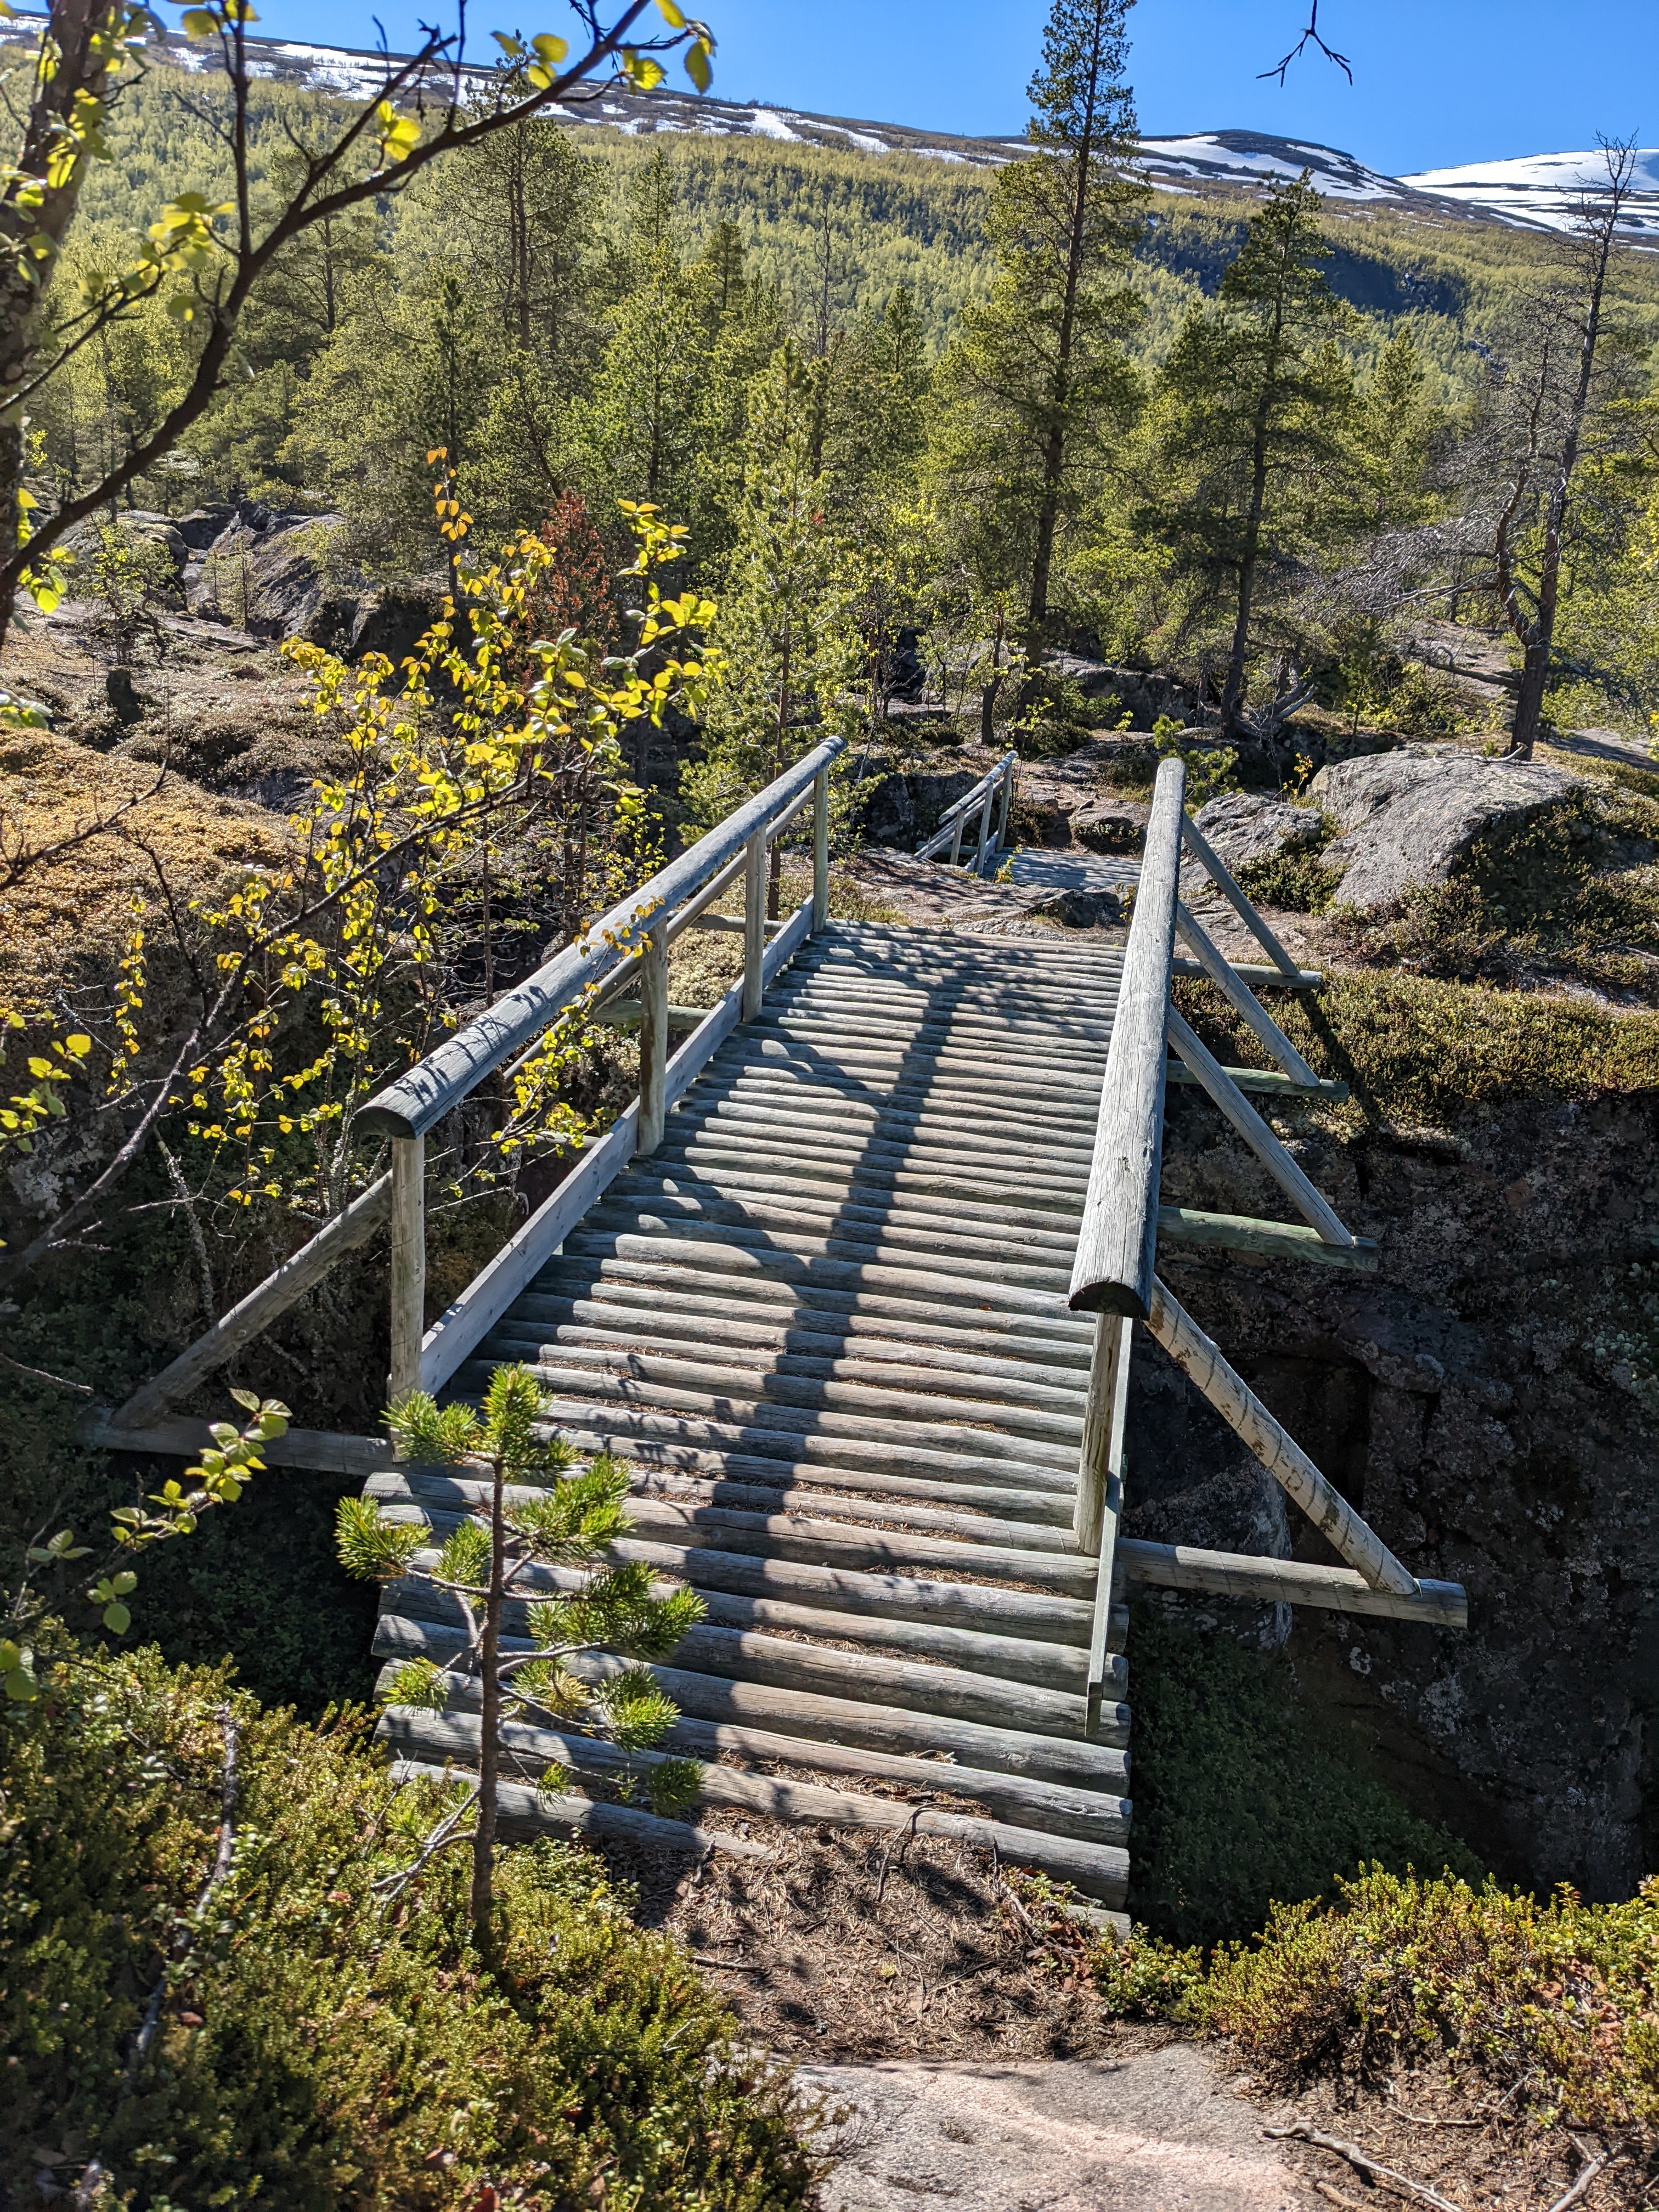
[782, 624]
[1039, 381]
[1250, 454]
[554, 1521]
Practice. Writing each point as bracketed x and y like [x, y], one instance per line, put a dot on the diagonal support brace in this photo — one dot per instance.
[1277, 1450]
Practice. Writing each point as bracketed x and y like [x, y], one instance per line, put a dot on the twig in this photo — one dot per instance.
[999, 1888]
[222, 1859]
[440, 1837]
[1402, 2182]
[199, 1242]
[1311, 32]
[1597, 2160]
[1335, 2196]
[908, 1832]
[729, 1966]
[40, 1375]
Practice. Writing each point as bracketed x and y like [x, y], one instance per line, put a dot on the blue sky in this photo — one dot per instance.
[1436, 82]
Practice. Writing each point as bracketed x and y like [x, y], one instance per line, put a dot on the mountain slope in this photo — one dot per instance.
[1544, 191]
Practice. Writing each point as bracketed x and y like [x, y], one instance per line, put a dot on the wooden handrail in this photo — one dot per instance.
[1117, 1245]
[953, 821]
[409, 1105]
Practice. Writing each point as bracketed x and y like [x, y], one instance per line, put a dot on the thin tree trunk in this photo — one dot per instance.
[1054, 445]
[1537, 637]
[489, 1749]
[1529, 702]
[1232, 695]
[76, 27]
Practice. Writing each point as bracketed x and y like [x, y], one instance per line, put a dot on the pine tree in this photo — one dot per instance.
[877, 404]
[1252, 416]
[723, 259]
[642, 422]
[781, 624]
[1396, 421]
[1039, 380]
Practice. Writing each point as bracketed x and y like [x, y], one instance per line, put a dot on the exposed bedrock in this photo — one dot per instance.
[1490, 1402]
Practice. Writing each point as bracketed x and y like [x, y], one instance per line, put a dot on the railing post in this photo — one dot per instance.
[981, 851]
[956, 840]
[820, 850]
[653, 1036]
[1100, 1464]
[1100, 1494]
[408, 1263]
[1001, 837]
[754, 922]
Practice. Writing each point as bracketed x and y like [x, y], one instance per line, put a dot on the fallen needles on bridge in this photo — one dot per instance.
[1387, 2175]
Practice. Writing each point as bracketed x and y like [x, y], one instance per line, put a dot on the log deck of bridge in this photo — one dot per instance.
[827, 1323]
[851, 1288]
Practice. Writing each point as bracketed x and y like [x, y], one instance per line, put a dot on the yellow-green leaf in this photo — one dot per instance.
[696, 66]
[642, 70]
[200, 23]
[551, 50]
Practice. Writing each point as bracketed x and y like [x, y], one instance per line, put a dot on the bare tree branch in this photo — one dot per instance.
[1311, 35]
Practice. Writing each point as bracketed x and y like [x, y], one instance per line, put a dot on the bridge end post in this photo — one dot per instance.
[653, 1038]
[408, 1264]
[754, 923]
[820, 850]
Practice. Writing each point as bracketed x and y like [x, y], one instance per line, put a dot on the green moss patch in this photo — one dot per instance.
[1418, 1049]
[1242, 1795]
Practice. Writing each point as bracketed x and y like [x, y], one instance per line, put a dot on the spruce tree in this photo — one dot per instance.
[1250, 454]
[1039, 382]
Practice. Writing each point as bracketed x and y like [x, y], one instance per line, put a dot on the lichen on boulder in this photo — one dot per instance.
[1245, 826]
[1408, 817]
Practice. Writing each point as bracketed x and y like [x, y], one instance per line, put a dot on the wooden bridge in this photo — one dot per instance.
[853, 1284]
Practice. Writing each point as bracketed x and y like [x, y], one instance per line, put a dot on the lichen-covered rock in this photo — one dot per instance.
[1108, 825]
[1247, 826]
[1408, 817]
[1142, 694]
[277, 576]
[140, 527]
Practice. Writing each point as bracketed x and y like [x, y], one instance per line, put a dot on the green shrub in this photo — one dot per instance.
[1242, 1794]
[318, 2044]
[1564, 1996]
[1416, 1049]
[1295, 880]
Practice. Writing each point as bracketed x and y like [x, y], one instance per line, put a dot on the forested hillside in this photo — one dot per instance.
[797, 238]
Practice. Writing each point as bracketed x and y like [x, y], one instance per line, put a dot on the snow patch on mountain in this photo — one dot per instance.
[1249, 158]
[1546, 191]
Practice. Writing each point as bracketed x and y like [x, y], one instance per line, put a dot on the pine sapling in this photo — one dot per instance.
[537, 1527]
